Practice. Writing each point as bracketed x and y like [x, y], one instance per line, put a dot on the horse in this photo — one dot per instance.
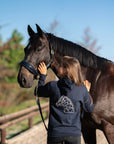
[97, 70]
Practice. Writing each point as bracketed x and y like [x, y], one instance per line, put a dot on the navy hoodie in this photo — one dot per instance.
[65, 101]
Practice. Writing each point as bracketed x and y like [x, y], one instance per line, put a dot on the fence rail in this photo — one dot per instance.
[14, 118]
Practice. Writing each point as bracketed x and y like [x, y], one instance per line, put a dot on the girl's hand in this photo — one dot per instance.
[87, 84]
[42, 68]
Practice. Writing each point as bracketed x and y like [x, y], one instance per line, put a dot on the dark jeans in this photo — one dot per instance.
[64, 140]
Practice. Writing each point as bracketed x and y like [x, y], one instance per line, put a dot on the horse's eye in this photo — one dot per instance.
[29, 46]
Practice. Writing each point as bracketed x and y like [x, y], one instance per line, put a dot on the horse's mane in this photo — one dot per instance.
[85, 57]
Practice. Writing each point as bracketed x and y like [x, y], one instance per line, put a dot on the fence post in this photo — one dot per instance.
[30, 121]
[3, 133]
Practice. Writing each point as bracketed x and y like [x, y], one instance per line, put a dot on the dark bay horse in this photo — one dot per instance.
[99, 71]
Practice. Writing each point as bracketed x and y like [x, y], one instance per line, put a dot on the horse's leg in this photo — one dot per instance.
[108, 130]
[89, 135]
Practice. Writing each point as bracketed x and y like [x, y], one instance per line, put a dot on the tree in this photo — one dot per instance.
[90, 43]
[53, 26]
[11, 53]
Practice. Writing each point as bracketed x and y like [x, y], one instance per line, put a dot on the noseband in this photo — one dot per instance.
[29, 67]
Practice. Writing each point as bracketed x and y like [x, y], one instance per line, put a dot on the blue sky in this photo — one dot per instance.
[74, 16]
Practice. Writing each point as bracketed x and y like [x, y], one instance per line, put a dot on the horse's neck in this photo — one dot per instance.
[84, 72]
[85, 57]
[64, 47]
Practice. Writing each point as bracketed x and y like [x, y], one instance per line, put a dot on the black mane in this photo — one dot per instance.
[85, 57]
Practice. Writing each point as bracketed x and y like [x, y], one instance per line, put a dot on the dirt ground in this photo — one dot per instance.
[38, 135]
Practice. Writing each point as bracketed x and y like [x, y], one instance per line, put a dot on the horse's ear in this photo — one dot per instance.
[30, 31]
[40, 32]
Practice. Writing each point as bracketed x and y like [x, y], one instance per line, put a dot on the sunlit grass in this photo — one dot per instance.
[20, 106]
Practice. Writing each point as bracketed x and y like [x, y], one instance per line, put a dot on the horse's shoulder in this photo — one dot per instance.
[110, 68]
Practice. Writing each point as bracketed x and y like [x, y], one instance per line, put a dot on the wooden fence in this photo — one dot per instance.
[14, 118]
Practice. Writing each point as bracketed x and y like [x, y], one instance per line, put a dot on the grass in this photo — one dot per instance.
[21, 106]
[18, 107]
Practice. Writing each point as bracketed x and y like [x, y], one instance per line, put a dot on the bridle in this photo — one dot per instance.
[32, 70]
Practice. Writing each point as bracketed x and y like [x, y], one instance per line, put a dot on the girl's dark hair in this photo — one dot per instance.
[72, 70]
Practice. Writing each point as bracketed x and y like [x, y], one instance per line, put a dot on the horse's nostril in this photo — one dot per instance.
[23, 81]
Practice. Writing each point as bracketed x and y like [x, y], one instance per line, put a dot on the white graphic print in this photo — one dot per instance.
[66, 103]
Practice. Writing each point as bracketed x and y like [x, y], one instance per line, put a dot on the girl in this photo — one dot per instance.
[66, 96]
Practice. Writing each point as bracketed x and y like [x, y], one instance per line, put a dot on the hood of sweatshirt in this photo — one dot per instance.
[65, 85]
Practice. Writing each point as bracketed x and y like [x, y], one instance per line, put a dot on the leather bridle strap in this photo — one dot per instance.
[29, 67]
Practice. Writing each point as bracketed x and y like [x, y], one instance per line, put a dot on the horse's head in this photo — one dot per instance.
[36, 51]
